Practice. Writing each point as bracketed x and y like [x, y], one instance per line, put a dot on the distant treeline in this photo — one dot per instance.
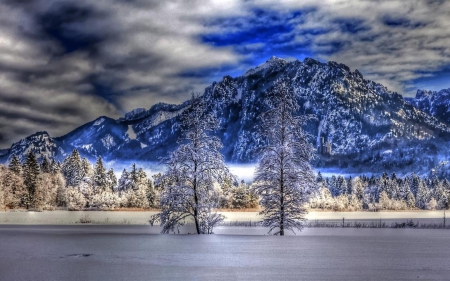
[76, 184]
[386, 192]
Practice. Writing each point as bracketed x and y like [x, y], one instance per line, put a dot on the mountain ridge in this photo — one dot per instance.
[366, 124]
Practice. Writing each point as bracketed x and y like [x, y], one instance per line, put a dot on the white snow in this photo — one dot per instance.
[87, 146]
[131, 133]
[108, 141]
[99, 121]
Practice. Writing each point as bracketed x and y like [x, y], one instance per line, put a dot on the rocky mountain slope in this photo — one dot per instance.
[365, 126]
[435, 103]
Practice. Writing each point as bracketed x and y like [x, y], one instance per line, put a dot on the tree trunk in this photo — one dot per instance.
[197, 225]
[282, 204]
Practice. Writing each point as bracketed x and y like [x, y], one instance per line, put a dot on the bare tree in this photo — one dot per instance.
[188, 191]
[284, 178]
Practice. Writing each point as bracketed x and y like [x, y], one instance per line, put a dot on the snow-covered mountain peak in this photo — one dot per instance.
[357, 119]
[271, 65]
[435, 103]
[136, 113]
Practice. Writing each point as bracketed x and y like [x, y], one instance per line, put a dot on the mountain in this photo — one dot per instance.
[364, 125]
[435, 103]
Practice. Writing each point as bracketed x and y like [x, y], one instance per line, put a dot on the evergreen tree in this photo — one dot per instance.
[358, 188]
[134, 176]
[101, 179]
[332, 185]
[422, 196]
[55, 167]
[46, 166]
[31, 172]
[319, 177]
[150, 194]
[410, 200]
[350, 185]
[341, 186]
[415, 180]
[284, 178]
[124, 182]
[112, 180]
[15, 191]
[72, 169]
[15, 166]
[87, 167]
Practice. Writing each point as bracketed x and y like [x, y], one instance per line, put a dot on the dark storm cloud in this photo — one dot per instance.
[64, 63]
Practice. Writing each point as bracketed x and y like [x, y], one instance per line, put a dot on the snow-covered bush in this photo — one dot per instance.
[431, 205]
[242, 197]
[106, 201]
[75, 200]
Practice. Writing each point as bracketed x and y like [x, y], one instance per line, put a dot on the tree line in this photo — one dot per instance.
[77, 184]
[381, 193]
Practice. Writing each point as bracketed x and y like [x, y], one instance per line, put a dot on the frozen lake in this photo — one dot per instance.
[100, 252]
[121, 217]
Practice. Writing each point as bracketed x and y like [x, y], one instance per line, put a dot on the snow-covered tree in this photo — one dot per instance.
[107, 200]
[101, 179]
[55, 167]
[31, 171]
[358, 188]
[15, 166]
[422, 196]
[243, 197]
[112, 180]
[150, 193]
[284, 178]
[46, 166]
[75, 200]
[125, 182]
[72, 169]
[47, 191]
[15, 191]
[192, 169]
[410, 200]
[3, 171]
[87, 167]
[431, 205]
[341, 186]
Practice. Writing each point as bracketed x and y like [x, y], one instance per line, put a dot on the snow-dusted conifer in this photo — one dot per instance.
[150, 193]
[358, 188]
[134, 176]
[15, 191]
[3, 171]
[15, 166]
[87, 167]
[112, 180]
[45, 166]
[192, 169]
[422, 196]
[31, 171]
[124, 182]
[101, 180]
[242, 197]
[72, 169]
[410, 200]
[284, 178]
[55, 167]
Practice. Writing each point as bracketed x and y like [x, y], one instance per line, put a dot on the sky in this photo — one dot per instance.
[65, 63]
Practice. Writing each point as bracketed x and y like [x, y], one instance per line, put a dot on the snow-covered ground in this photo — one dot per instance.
[121, 217]
[75, 252]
